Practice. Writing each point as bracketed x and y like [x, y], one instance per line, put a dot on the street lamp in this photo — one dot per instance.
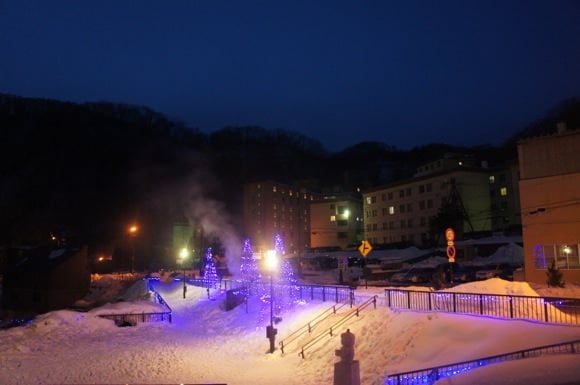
[272, 265]
[183, 254]
[133, 233]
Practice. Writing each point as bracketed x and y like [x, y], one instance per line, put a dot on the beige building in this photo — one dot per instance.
[550, 200]
[336, 220]
[272, 208]
[402, 211]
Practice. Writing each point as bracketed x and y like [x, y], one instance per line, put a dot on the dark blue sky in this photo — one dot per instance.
[402, 72]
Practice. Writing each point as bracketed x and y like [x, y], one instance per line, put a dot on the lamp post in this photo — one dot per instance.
[272, 265]
[183, 254]
[133, 233]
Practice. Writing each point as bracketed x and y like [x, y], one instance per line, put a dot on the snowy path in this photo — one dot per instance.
[206, 344]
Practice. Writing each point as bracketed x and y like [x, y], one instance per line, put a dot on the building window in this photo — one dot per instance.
[409, 223]
[423, 222]
[384, 211]
[421, 189]
[383, 197]
[374, 199]
[342, 223]
[565, 255]
[332, 218]
[369, 200]
[390, 196]
[369, 227]
[409, 207]
[391, 225]
[429, 203]
[374, 213]
[374, 227]
[408, 191]
[503, 191]
[384, 225]
[401, 193]
[429, 187]
[491, 179]
[274, 189]
[391, 210]
[422, 205]
[403, 223]
[332, 207]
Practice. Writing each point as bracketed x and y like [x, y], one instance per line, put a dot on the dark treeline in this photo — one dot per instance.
[88, 170]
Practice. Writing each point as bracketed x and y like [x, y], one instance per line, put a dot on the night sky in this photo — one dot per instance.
[402, 72]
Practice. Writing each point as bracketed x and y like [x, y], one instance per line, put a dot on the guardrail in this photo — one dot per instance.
[430, 375]
[319, 292]
[307, 328]
[133, 318]
[542, 309]
[356, 311]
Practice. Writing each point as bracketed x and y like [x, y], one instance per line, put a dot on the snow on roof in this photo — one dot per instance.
[495, 239]
[511, 254]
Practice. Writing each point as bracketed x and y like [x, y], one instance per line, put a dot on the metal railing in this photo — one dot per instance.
[430, 375]
[324, 293]
[354, 312]
[307, 328]
[133, 318]
[542, 309]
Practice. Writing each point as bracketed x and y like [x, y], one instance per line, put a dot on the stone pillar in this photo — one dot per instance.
[346, 371]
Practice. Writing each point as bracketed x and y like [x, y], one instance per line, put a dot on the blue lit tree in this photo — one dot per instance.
[249, 267]
[279, 245]
[209, 274]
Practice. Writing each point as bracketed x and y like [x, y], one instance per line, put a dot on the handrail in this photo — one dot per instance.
[346, 317]
[430, 375]
[308, 326]
[553, 310]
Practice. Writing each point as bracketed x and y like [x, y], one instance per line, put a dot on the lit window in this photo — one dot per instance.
[274, 189]
[332, 218]
[491, 179]
[290, 193]
[503, 191]
[369, 200]
[391, 210]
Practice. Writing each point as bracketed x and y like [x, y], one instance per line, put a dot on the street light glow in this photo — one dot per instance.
[271, 260]
[133, 229]
[183, 253]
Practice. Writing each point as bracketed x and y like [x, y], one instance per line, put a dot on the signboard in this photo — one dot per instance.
[450, 236]
[365, 248]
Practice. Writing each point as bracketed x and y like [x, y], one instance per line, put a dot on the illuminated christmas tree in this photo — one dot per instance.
[249, 267]
[209, 273]
[279, 245]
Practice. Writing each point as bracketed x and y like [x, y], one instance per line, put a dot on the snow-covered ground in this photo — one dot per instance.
[206, 344]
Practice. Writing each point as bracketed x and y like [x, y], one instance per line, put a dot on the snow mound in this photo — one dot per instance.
[495, 286]
[137, 291]
[60, 320]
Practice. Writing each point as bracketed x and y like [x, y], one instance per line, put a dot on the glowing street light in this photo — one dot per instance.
[183, 255]
[133, 233]
[272, 265]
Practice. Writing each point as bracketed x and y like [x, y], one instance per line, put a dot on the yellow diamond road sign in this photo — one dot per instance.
[365, 248]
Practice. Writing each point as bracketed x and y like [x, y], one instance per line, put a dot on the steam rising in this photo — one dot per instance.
[214, 220]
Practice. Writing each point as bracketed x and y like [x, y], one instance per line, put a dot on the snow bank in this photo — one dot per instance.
[495, 286]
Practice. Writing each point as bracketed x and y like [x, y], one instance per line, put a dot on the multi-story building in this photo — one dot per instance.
[505, 198]
[272, 208]
[336, 220]
[550, 201]
[403, 211]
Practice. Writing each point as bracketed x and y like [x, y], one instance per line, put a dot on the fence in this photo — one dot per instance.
[543, 309]
[430, 375]
[133, 318]
[323, 293]
[336, 325]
